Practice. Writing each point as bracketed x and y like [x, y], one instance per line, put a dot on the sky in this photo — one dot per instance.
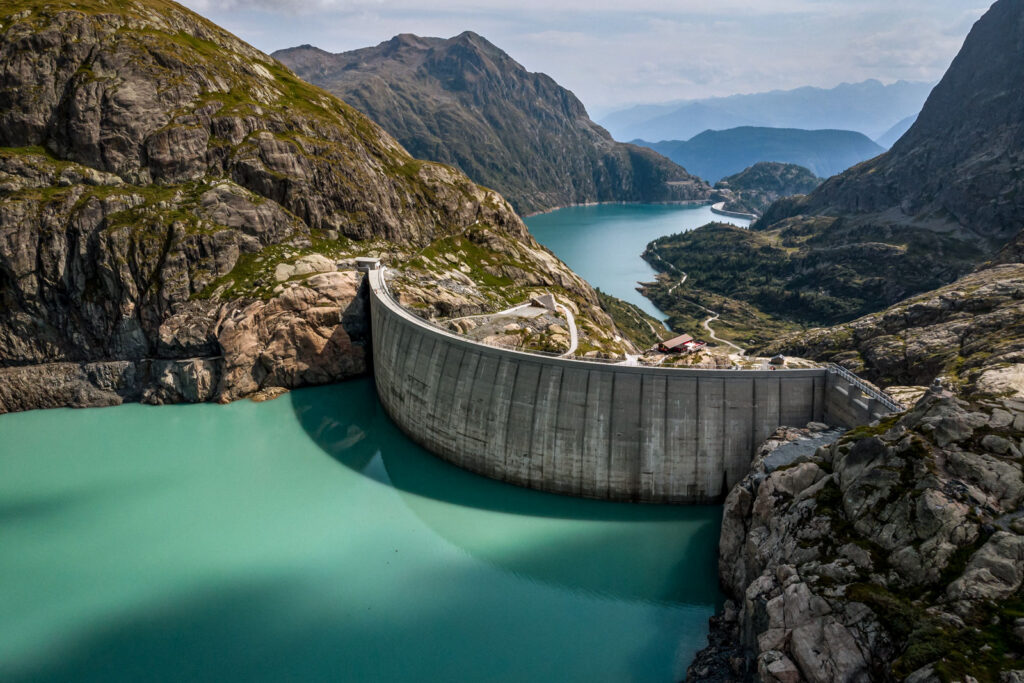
[614, 54]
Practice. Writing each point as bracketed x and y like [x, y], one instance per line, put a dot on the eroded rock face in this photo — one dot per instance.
[891, 554]
[315, 332]
[973, 327]
[309, 334]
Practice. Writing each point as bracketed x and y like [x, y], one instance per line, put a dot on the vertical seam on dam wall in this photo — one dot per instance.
[583, 428]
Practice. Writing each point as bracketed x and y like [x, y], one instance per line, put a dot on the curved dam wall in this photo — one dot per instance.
[576, 427]
[719, 208]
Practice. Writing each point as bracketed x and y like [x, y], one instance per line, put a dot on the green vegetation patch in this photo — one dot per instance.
[815, 271]
[254, 275]
[983, 649]
[643, 330]
[688, 307]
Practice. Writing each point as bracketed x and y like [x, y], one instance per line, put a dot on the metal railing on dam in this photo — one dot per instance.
[585, 428]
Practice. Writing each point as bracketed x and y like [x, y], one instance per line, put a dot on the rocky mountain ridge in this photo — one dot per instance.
[464, 102]
[969, 333]
[156, 173]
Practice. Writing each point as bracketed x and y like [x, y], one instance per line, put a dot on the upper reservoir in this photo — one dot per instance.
[603, 243]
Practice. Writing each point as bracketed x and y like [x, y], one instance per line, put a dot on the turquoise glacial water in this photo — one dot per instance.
[603, 243]
[306, 539]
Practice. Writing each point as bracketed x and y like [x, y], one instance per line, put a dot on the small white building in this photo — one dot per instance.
[365, 264]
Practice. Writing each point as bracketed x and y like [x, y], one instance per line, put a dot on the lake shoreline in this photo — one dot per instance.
[604, 242]
[676, 202]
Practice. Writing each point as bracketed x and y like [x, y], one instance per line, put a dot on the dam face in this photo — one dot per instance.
[589, 429]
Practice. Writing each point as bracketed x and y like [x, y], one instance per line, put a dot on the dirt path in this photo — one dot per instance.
[574, 341]
[673, 287]
[640, 319]
[506, 312]
[712, 335]
[712, 315]
[652, 329]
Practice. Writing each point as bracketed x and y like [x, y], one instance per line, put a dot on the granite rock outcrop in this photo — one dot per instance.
[893, 554]
[969, 334]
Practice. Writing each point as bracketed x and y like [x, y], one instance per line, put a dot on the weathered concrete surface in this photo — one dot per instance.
[585, 428]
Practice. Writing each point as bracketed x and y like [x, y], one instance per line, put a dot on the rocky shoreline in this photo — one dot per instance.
[894, 553]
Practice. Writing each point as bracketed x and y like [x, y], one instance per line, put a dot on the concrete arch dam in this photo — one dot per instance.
[590, 429]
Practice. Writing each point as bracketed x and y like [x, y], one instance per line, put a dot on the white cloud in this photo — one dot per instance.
[651, 50]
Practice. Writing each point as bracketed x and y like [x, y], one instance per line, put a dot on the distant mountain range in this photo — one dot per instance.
[712, 155]
[868, 107]
[464, 102]
[889, 137]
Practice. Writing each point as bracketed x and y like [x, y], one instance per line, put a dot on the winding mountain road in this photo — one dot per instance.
[574, 341]
[712, 335]
[712, 315]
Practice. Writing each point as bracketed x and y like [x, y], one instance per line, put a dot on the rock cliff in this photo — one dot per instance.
[957, 169]
[970, 333]
[464, 102]
[896, 553]
[169, 197]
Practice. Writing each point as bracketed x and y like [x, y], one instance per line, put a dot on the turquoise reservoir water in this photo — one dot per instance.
[603, 243]
[306, 539]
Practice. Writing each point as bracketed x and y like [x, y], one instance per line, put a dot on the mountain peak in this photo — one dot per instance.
[470, 36]
[468, 40]
[466, 102]
[408, 40]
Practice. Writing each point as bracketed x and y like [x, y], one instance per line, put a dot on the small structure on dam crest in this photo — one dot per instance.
[591, 429]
